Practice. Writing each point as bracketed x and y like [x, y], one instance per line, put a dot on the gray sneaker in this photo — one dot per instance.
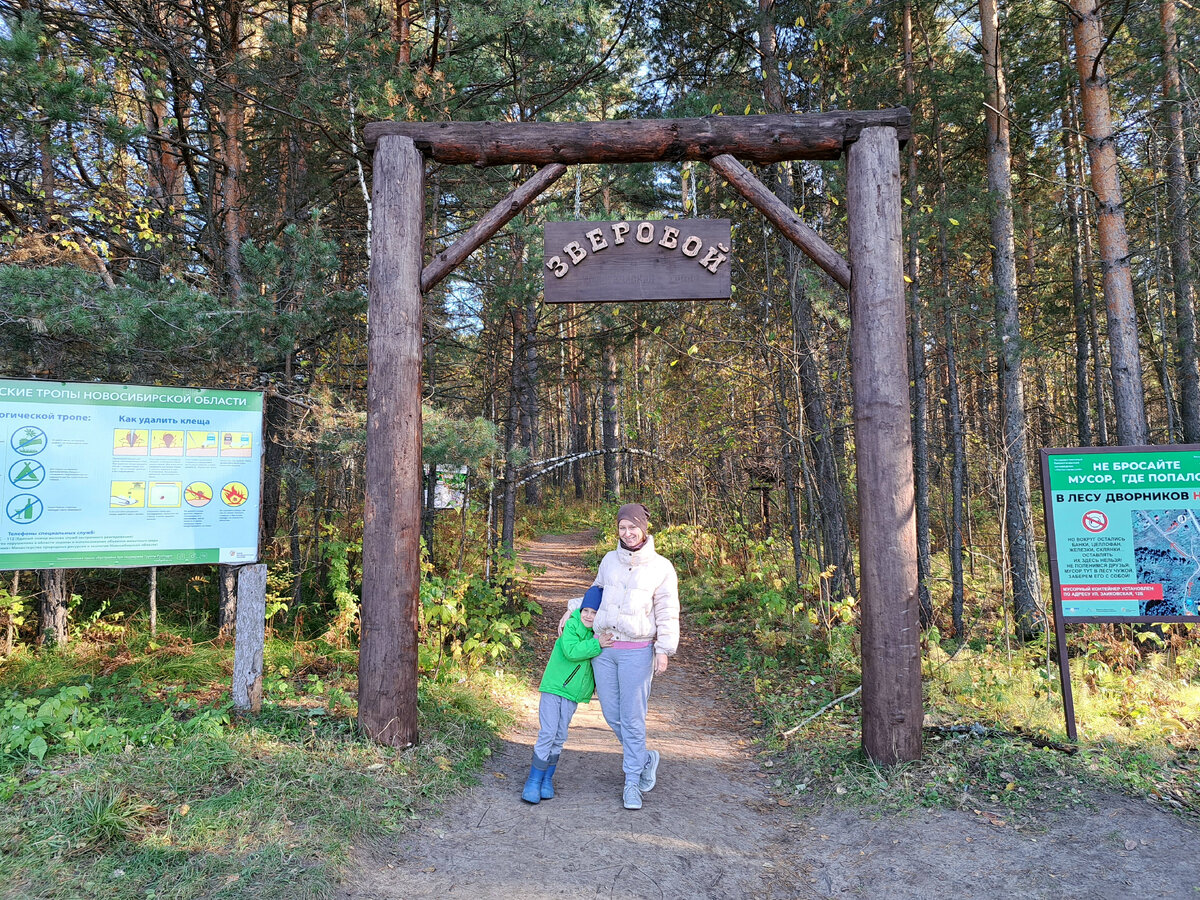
[633, 797]
[649, 776]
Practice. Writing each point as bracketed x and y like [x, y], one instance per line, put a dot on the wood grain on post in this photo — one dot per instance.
[249, 636]
[779, 213]
[387, 662]
[495, 219]
[891, 662]
[760, 139]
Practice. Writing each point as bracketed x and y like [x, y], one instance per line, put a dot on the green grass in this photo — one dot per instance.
[1138, 713]
[565, 515]
[266, 806]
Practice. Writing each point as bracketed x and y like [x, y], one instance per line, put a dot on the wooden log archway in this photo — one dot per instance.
[874, 276]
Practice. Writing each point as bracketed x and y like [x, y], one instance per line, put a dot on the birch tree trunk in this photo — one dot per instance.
[1026, 588]
[227, 610]
[1125, 358]
[52, 631]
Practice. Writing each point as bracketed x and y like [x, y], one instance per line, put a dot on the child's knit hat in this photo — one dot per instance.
[591, 599]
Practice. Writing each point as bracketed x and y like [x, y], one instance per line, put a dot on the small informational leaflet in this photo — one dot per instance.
[1123, 531]
[450, 492]
[106, 475]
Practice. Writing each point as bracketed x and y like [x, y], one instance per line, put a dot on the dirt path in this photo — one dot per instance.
[711, 829]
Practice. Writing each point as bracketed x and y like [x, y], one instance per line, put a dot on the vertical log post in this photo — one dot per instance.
[249, 636]
[387, 663]
[891, 673]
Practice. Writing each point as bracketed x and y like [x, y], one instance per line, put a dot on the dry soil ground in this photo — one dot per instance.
[712, 829]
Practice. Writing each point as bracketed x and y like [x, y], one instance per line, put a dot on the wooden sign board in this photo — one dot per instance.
[673, 259]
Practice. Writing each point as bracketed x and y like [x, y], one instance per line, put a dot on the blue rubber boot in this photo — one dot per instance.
[532, 792]
[548, 780]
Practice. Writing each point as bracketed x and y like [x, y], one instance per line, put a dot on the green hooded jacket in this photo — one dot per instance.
[569, 671]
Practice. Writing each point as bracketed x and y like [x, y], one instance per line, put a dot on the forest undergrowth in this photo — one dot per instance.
[124, 771]
[995, 739]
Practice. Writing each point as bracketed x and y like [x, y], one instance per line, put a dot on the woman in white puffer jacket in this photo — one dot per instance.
[640, 610]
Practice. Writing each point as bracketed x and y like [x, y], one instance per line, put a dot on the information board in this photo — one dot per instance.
[1123, 532]
[104, 475]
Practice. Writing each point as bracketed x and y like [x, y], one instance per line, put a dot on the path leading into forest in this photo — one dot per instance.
[712, 829]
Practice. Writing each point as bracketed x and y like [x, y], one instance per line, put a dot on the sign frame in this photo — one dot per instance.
[121, 464]
[637, 260]
[1052, 555]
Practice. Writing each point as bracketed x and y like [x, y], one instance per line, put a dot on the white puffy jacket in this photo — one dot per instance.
[641, 597]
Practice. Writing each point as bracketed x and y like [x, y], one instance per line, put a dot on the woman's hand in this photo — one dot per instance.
[605, 638]
[660, 663]
[562, 623]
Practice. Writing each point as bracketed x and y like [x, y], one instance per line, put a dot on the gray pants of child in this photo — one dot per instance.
[623, 685]
[554, 715]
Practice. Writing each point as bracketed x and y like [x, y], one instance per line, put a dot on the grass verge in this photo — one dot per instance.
[148, 787]
[1139, 720]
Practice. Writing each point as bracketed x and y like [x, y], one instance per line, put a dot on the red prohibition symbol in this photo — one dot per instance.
[1095, 521]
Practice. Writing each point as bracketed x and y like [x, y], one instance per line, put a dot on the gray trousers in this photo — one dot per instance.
[623, 685]
[554, 715]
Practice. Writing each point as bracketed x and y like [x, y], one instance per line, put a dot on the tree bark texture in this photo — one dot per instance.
[891, 726]
[509, 523]
[276, 415]
[230, 127]
[387, 668]
[52, 631]
[791, 489]
[1079, 299]
[10, 627]
[920, 388]
[759, 139]
[227, 608]
[609, 427]
[1022, 559]
[428, 514]
[832, 517]
[251, 635]
[1181, 238]
[577, 414]
[530, 411]
[954, 423]
[958, 477]
[1098, 377]
[153, 601]
[1125, 359]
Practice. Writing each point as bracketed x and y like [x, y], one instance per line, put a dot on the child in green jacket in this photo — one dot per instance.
[566, 683]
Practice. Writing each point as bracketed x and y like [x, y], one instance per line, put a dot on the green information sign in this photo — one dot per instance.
[107, 475]
[1123, 530]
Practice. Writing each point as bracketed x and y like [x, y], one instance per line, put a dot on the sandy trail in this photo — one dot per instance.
[711, 829]
[708, 829]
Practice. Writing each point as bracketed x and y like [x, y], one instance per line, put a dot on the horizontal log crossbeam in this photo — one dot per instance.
[757, 139]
